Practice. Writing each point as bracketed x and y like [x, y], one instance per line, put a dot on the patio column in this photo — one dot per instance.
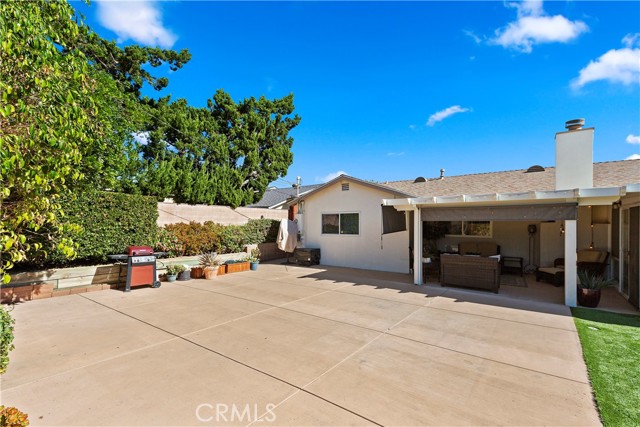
[570, 262]
[417, 247]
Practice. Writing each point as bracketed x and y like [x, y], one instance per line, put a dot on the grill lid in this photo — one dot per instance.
[140, 250]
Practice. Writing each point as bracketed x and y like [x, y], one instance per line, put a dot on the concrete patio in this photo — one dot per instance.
[289, 345]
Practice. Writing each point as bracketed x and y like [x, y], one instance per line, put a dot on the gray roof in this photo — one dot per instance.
[275, 196]
[605, 174]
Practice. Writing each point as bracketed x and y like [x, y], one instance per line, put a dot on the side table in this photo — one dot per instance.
[511, 264]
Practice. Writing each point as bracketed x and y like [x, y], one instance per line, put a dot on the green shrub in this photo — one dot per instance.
[260, 231]
[6, 338]
[167, 241]
[231, 239]
[13, 417]
[195, 238]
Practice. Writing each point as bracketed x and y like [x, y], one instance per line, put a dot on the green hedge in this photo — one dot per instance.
[104, 223]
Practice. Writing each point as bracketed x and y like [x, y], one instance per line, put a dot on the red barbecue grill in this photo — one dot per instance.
[142, 267]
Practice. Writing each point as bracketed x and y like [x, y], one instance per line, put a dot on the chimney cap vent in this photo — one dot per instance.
[419, 179]
[574, 124]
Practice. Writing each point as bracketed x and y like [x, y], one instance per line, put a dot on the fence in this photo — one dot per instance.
[171, 213]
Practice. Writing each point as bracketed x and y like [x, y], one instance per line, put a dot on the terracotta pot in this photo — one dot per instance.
[210, 272]
[197, 272]
[589, 297]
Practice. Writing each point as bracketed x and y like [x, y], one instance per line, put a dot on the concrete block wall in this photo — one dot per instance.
[172, 213]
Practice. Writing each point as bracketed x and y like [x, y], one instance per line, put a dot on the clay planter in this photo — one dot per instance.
[210, 272]
[222, 270]
[589, 297]
[197, 272]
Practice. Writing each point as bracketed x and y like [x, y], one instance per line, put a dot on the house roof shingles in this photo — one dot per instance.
[605, 174]
[274, 196]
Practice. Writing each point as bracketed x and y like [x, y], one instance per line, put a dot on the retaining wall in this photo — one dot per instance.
[34, 285]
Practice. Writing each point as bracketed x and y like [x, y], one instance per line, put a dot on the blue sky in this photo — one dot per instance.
[394, 90]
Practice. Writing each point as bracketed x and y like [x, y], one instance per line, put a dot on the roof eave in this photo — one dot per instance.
[582, 196]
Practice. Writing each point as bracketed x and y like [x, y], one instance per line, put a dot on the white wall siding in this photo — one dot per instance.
[366, 250]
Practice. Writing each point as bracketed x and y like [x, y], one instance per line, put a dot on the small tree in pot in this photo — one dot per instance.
[210, 263]
[589, 288]
[254, 258]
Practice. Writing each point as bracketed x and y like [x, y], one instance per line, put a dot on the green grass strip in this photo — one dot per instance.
[611, 347]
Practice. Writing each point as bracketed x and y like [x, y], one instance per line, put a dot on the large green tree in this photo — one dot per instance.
[224, 154]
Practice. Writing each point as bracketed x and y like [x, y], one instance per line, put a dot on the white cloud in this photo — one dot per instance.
[633, 139]
[140, 21]
[534, 27]
[395, 154]
[443, 114]
[412, 127]
[633, 157]
[615, 66]
[473, 36]
[330, 176]
[141, 138]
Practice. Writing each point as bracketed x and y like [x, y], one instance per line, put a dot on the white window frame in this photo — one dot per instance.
[339, 233]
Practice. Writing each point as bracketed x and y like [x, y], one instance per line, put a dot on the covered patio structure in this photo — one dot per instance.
[535, 207]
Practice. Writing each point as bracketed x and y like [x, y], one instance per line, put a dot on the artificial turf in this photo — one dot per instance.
[611, 348]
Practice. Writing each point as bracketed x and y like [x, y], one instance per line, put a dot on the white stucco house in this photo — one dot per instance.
[575, 205]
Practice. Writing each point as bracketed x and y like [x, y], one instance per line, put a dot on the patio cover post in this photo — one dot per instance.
[417, 247]
[570, 262]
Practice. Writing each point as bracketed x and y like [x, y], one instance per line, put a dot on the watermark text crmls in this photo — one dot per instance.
[233, 412]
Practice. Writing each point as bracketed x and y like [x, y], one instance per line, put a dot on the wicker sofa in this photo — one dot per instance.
[471, 271]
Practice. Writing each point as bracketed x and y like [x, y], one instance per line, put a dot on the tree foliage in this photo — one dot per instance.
[224, 154]
[49, 117]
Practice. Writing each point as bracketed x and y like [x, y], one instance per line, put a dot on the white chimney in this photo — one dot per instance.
[574, 156]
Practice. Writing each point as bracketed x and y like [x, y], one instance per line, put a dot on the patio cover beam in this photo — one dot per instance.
[502, 213]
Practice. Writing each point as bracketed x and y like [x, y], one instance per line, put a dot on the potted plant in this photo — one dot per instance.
[589, 288]
[210, 263]
[254, 259]
[173, 270]
[185, 274]
[197, 272]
